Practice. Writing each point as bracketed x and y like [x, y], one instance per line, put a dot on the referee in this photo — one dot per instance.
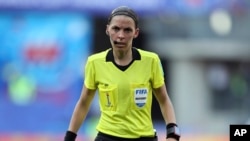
[126, 79]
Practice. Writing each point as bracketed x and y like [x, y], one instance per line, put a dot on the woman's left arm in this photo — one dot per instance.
[166, 106]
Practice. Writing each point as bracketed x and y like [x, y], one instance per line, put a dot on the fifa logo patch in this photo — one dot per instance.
[140, 96]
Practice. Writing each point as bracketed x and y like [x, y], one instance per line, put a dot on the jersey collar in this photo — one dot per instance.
[135, 53]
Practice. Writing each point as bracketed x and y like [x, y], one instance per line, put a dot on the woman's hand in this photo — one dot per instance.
[171, 139]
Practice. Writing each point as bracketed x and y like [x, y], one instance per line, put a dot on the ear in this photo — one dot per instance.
[137, 30]
[107, 32]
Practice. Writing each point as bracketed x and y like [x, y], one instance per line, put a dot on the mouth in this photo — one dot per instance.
[120, 44]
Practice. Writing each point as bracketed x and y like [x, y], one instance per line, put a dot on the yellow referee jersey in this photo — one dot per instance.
[125, 96]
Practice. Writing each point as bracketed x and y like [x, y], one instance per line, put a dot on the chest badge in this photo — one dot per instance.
[140, 96]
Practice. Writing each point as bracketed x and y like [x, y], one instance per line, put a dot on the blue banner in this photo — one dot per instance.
[188, 7]
[42, 58]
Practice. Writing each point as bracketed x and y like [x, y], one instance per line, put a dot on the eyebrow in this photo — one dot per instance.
[128, 28]
[117, 27]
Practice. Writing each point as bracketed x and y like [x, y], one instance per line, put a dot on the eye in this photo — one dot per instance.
[115, 28]
[128, 30]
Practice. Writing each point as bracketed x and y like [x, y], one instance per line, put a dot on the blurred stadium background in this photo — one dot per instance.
[204, 46]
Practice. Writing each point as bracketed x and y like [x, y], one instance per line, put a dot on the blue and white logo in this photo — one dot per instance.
[140, 96]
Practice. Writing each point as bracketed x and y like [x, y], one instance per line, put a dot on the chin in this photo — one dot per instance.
[121, 47]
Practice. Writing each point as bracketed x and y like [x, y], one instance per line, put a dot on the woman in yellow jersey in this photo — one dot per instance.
[126, 79]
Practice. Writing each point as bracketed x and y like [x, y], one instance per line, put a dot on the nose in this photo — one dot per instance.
[121, 34]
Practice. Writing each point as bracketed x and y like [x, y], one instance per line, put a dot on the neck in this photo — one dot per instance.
[123, 58]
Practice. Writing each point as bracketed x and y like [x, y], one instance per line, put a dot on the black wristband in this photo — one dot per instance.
[70, 136]
[173, 131]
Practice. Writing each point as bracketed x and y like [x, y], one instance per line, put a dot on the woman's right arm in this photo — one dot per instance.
[81, 109]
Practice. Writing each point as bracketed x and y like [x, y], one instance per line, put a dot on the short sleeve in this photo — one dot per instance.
[157, 73]
[89, 75]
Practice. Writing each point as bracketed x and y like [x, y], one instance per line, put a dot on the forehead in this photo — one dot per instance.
[122, 20]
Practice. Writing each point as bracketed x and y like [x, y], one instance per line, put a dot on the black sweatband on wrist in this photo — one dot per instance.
[173, 131]
[70, 136]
